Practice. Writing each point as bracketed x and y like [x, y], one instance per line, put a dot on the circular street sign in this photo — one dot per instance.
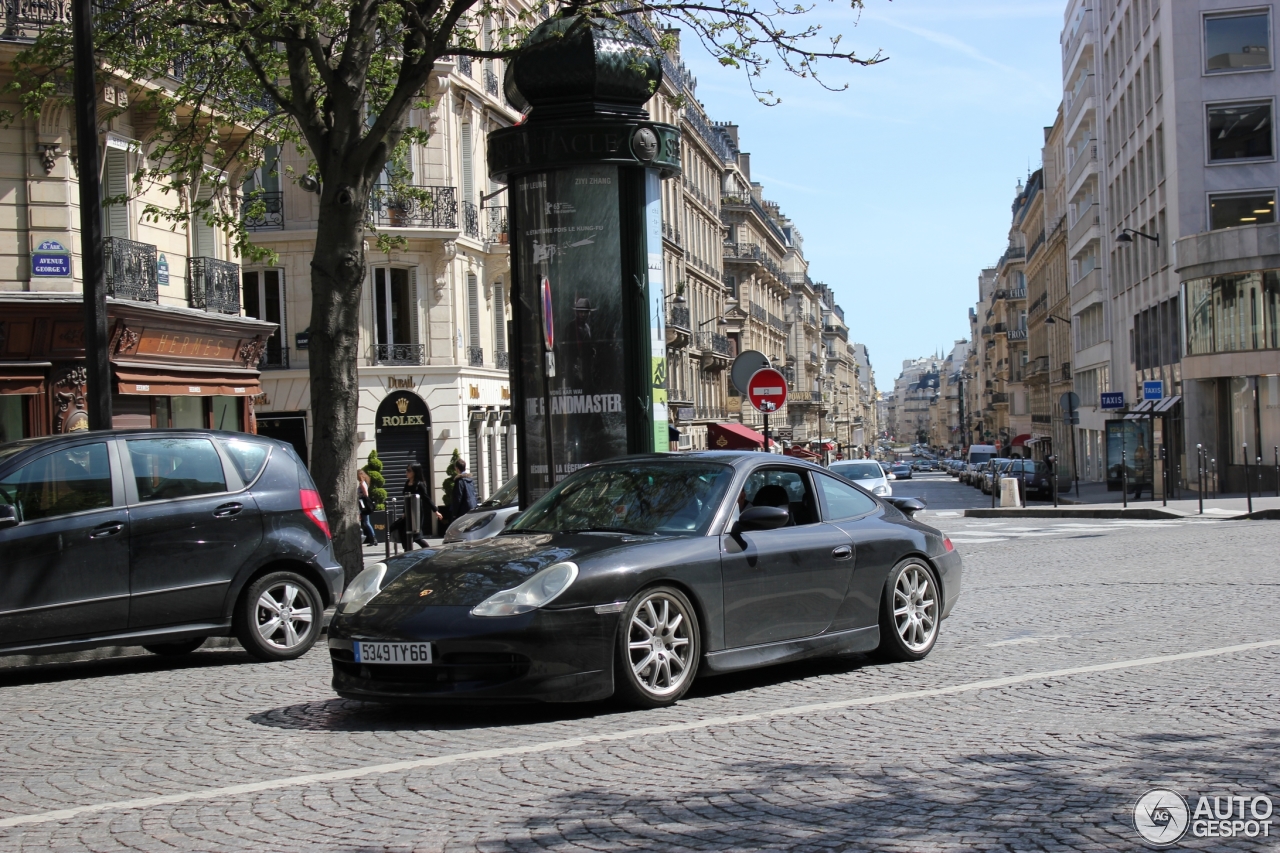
[767, 390]
[747, 363]
[1069, 401]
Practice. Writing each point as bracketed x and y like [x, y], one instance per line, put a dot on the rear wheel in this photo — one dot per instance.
[184, 647]
[278, 616]
[658, 648]
[910, 612]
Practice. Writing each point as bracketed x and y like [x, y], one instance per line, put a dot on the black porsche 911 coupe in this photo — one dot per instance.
[637, 574]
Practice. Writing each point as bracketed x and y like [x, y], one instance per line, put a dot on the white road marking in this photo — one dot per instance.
[958, 541]
[577, 742]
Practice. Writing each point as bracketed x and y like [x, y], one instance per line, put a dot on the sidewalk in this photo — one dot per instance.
[1096, 502]
[378, 553]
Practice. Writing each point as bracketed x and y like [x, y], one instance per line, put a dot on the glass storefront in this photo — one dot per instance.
[1233, 313]
[1255, 418]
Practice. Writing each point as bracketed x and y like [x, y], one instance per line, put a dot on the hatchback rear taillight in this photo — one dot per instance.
[314, 509]
[946, 543]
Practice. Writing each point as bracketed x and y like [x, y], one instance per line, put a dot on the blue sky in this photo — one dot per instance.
[901, 185]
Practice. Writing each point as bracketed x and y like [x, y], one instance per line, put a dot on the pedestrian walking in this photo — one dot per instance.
[1141, 473]
[464, 498]
[369, 535]
[416, 484]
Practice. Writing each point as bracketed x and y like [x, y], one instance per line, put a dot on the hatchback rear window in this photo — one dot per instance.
[248, 457]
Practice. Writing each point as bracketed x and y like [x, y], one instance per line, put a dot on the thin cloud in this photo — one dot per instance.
[946, 41]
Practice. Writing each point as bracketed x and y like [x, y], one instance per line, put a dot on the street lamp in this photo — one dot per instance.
[1126, 235]
[1053, 319]
[719, 321]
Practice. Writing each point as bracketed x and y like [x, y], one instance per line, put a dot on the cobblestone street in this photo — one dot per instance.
[1083, 665]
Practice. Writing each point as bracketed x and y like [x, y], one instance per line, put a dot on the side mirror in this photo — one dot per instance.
[8, 516]
[762, 518]
[907, 506]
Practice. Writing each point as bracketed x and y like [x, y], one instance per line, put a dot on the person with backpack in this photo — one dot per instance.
[463, 499]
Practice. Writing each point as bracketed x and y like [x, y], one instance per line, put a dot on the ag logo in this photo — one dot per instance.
[1161, 816]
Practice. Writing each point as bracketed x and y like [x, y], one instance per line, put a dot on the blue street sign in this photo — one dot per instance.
[1112, 399]
[162, 271]
[1153, 390]
[51, 260]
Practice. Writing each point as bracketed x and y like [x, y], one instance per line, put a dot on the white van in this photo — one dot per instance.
[978, 455]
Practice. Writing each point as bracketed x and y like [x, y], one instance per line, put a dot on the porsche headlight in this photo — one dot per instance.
[366, 585]
[539, 590]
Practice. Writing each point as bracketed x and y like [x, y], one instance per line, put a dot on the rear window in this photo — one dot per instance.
[979, 458]
[858, 470]
[248, 456]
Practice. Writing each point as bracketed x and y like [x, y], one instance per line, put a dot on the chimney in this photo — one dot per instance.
[744, 163]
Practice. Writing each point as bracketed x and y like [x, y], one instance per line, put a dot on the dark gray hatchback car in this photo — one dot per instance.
[161, 538]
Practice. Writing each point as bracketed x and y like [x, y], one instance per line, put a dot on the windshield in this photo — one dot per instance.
[508, 495]
[667, 498]
[858, 470]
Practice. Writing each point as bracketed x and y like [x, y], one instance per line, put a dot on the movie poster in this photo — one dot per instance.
[570, 266]
[657, 305]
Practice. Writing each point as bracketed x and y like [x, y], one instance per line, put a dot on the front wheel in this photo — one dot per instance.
[278, 616]
[658, 648]
[910, 612]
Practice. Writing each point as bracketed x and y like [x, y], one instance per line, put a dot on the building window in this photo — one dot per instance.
[263, 299]
[1239, 132]
[1230, 313]
[1230, 210]
[13, 417]
[392, 306]
[1237, 42]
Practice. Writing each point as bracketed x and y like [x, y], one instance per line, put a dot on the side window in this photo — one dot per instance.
[843, 500]
[168, 468]
[248, 457]
[784, 488]
[71, 480]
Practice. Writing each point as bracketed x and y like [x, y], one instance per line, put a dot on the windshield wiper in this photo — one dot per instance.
[625, 530]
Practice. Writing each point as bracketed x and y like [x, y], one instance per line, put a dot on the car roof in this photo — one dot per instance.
[85, 435]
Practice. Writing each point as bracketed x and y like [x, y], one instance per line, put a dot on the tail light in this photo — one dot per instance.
[946, 543]
[314, 509]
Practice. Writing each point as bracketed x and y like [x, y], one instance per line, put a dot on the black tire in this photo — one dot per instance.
[902, 637]
[294, 597]
[183, 647]
[681, 645]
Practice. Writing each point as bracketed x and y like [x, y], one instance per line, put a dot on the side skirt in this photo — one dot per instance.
[749, 657]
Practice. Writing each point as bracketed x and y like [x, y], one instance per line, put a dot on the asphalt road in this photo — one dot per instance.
[1085, 664]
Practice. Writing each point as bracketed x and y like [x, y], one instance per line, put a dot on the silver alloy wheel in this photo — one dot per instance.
[659, 644]
[915, 607]
[281, 623]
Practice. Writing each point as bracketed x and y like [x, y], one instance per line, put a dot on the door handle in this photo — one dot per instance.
[844, 552]
[111, 528]
[227, 510]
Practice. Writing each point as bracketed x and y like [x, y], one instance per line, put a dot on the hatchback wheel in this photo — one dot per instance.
[910, 612]
[658, 648]
[183, 647]
[278, 616]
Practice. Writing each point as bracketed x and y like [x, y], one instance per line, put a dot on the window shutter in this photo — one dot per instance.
[117, 184]
[499, 317]
[473, 310]
[468, 182]
[415, 309]
[206, 241]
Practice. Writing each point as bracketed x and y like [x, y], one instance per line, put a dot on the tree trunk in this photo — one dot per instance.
[337, 279]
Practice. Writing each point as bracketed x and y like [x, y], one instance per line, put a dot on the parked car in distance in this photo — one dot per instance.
[489, 518]
[867, 473]
[636, 574]
[991, 473]
[1034, 477]
[160, 539]
[977, 456]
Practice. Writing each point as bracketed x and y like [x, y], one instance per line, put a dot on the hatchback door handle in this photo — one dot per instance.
[111, 528]
[227, 510]
[844, 552]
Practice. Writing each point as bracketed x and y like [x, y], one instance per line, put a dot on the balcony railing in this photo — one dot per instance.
[398, 354]
[491, 83]
[813, 358]
[1087, 219]
[130, 270]
[502, 360]
[678, 316]
[778, 323]
[758, 313]
[495, 224]
[470, 219]
[464, 66]
[274, 357]
[475, 356]
[1086, 157]
[414, 207]
[25, 20]
[713, 138]
[213, 285]
[263, 211]
[714, 342]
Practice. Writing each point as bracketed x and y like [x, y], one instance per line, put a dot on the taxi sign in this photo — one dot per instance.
[767, 390]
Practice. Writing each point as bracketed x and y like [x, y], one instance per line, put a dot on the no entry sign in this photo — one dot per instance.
[767, 390]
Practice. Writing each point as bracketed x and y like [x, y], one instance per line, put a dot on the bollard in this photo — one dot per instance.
[1124, 478]
[1213, 464]
[1200, 474]
[1053, 478]
[1008, 492]
[1164, 474]
[1248, 486]
[1277, 449]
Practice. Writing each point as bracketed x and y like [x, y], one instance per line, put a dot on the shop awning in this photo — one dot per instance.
[1021, 440]
[21, 378]
[1167, 403]
[176, 382]
[733, 436]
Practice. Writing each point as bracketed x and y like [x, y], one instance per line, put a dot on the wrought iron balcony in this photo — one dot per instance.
[502, 361]
[495, 224]
[398, 354]
[491, 82]
[130, 270]
[274, 357]
[470, 219]
[475, 356]
[263, 211]
[714, 343]
[813, 358]
[678, 316]
[25, 20]
[414, 207]
[464, 66]
[213, 285]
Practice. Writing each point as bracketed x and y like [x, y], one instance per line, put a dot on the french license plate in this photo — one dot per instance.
[408, 653]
